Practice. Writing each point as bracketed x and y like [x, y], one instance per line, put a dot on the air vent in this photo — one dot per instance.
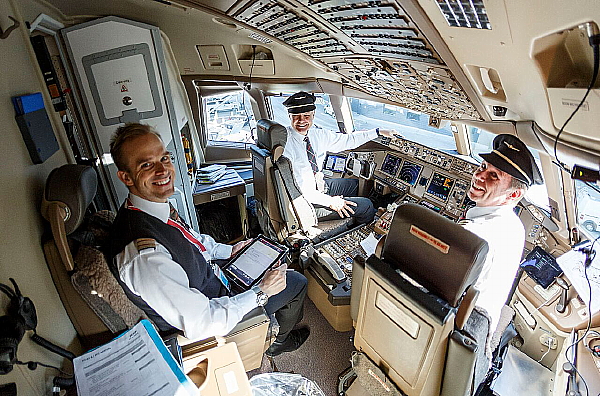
[465, 13]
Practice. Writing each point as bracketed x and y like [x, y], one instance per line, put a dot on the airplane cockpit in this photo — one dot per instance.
[392, 303]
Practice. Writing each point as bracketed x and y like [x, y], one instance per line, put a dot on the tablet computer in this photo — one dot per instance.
[249, 266]
[541, 267]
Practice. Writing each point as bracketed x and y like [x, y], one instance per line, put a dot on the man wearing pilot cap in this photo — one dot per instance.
[306, 148]
[497, 186]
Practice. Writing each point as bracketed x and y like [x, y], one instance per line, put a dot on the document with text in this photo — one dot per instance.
[135, 363]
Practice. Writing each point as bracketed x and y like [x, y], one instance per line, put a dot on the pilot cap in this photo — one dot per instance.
[300, 102]
[510, 155]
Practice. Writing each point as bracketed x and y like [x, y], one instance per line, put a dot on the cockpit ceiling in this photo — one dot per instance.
[373, 45]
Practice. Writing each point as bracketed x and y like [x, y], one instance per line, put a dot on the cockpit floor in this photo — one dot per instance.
[324, 355]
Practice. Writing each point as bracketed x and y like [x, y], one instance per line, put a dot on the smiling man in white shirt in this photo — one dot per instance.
[497, 186]
[307, 147]
[167, 269]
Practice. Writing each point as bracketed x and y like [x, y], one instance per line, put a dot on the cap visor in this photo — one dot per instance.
[504, 166]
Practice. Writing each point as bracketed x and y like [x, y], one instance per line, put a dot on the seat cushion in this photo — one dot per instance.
[331, 228]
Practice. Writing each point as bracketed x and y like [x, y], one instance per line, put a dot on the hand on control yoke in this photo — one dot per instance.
[274, 280]
[342, 207]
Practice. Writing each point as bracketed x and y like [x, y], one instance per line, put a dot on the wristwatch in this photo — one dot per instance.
[261, 297]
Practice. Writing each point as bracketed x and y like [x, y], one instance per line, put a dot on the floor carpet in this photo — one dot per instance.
[324, 355]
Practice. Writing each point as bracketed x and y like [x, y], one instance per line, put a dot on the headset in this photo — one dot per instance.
[20, 318]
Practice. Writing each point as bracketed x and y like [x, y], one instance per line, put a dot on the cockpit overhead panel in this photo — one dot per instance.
[375, 46]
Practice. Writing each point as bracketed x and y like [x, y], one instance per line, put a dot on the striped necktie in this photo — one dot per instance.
[311, 155]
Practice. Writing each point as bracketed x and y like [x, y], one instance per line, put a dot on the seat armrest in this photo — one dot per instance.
[249, 335]
[358, 272]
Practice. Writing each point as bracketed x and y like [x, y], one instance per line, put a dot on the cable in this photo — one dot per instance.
[548, 301]
[545, 353]
[594, 42]
[589, 324]
[249, 88]
[32, 365]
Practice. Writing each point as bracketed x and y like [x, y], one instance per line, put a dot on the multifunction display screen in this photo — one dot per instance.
[391, 164]
[410, 172]
[335, 163]
[440, 186]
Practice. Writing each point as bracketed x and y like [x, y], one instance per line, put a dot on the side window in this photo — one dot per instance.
[588, 208]
[324, 115]
[229, 118]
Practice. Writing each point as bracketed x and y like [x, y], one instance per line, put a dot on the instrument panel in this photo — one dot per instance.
[426, 176]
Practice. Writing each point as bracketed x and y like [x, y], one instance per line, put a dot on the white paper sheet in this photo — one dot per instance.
[369, 244]
[572, 263]
[135, 363]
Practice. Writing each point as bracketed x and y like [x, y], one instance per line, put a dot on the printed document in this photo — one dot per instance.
[135, 363]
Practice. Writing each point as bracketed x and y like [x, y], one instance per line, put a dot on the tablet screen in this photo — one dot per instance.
[254, 260]
[541, 267]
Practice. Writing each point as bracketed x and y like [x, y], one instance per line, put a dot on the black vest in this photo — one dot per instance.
[130, 225]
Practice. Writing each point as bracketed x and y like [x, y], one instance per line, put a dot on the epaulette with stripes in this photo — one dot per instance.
[145, 243]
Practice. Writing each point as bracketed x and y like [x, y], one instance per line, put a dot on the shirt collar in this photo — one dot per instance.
[297, 135]
[479, 211]
[160, 210]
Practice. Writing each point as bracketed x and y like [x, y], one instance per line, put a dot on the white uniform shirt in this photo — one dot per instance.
[502, 229]
[321, 141]
[164, 286]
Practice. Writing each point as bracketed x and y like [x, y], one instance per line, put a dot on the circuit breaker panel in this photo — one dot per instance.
[121, 71]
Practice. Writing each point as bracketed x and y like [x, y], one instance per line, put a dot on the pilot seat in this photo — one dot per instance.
[94, 301]
[286, 215]
[417, 332]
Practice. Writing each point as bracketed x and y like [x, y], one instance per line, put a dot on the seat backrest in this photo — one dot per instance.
[282, 209]
[94, 301]
[410, 298]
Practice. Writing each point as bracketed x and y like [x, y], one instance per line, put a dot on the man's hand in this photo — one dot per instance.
[274, 281]
[389, 133]
[342, 207]
[239, 246]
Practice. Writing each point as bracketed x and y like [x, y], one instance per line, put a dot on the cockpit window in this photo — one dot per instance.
[481, 142]
[229, 117]
[412, 125]
[588, 208]
[324, 115]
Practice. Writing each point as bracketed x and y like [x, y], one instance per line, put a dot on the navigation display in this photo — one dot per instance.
[391, 164]
[335, 163]
[440, 186]
[410, 172]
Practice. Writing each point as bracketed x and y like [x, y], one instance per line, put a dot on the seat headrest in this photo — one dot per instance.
[73, 186]
[439, 254]
[270, 134]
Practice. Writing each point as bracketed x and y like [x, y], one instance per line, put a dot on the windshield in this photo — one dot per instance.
[481, 142]
[229, 117]
[588, 208]
[410, 124]
[324, 116]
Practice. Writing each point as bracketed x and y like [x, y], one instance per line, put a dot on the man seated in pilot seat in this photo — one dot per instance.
[165, 267]
[497, 186]
[306, 148]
